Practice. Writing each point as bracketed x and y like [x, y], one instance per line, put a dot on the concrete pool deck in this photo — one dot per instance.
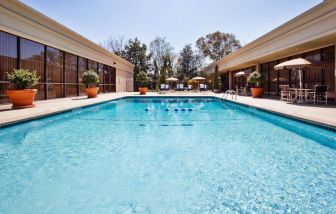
[314, 113]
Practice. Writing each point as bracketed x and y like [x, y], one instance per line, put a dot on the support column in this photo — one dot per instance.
[230, 80]
[335, 75]
[258, 67]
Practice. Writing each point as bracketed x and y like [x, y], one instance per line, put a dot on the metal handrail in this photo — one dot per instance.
[230, 92]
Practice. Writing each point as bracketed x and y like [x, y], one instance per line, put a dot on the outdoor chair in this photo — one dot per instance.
[162, 87]
[190, 88]
[285, 93]
[167, 87]
[320, 94]
[240, 91]
[202, 87]
[179, 87]
[205, 87]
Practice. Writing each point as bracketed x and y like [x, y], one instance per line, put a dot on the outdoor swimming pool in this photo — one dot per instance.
[167, 155]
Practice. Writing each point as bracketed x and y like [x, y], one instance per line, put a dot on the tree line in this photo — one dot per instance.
[160, 61]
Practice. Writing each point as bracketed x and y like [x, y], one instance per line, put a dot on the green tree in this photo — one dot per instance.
[135, 52]
[216, 79]
[163, 75]
[217, 45]
[188, 63]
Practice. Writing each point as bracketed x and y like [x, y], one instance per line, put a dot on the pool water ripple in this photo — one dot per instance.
[119, 158]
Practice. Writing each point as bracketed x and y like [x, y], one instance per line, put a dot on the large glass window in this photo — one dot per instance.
[113, 80]
[82, 67]
[101, 77]
[107, 78]
[71, 74]
[328, 60]
[55, 73]
[32, 58]
[92, 65]
[8, 56]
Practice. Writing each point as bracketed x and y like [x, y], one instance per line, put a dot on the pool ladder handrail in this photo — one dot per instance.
[230, 92]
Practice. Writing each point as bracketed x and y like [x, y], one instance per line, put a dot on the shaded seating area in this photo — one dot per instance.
[318, 95]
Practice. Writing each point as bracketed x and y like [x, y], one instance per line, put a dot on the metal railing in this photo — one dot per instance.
[230, 92]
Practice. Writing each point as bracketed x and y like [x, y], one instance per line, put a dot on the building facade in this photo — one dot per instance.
[31, 40]
[311, 35]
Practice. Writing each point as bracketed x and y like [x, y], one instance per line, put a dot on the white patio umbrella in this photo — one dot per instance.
[240, 74]
[281, 79]
[198, 79]
[298, 63]
[172, 79]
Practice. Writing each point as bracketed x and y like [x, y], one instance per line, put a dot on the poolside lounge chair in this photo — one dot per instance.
[179, 87]
[189, 88]
[319, 94]
[162, 87]
[167, 87]
[201, 87]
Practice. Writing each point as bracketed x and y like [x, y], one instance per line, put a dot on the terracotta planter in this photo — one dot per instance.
[143, 90]
[22, 98]
[257, 92]
[92, 92]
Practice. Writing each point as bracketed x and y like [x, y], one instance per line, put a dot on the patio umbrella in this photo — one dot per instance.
[298, 63]
[198, 79]
[240, 74]
[172, 79]
[281, 79]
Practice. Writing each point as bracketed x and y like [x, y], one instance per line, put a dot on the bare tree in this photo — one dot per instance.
[160, 48]
[116, 45]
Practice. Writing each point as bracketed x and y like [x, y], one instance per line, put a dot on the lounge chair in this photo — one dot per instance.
[162, 87]
[167, 87]
[179, 87]
[190, 88]
[201, 87]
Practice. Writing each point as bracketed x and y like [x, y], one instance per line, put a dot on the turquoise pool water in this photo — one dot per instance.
[139, 155]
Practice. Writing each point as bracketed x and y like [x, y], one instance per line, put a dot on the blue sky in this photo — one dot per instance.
[180, 21]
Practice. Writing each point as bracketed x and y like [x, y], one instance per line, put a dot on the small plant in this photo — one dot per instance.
[142, 79]
[216, 79]
[23, 79]
[90, 79]
[256, 78]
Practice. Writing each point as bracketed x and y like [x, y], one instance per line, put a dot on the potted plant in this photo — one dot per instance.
[216, 84]
[90, 79]
[22, 96]
[142, 81]
[256, 79]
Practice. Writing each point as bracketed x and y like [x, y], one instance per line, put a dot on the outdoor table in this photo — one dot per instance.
[300, 93]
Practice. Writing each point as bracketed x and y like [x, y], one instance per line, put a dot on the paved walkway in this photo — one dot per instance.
[314, 113]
